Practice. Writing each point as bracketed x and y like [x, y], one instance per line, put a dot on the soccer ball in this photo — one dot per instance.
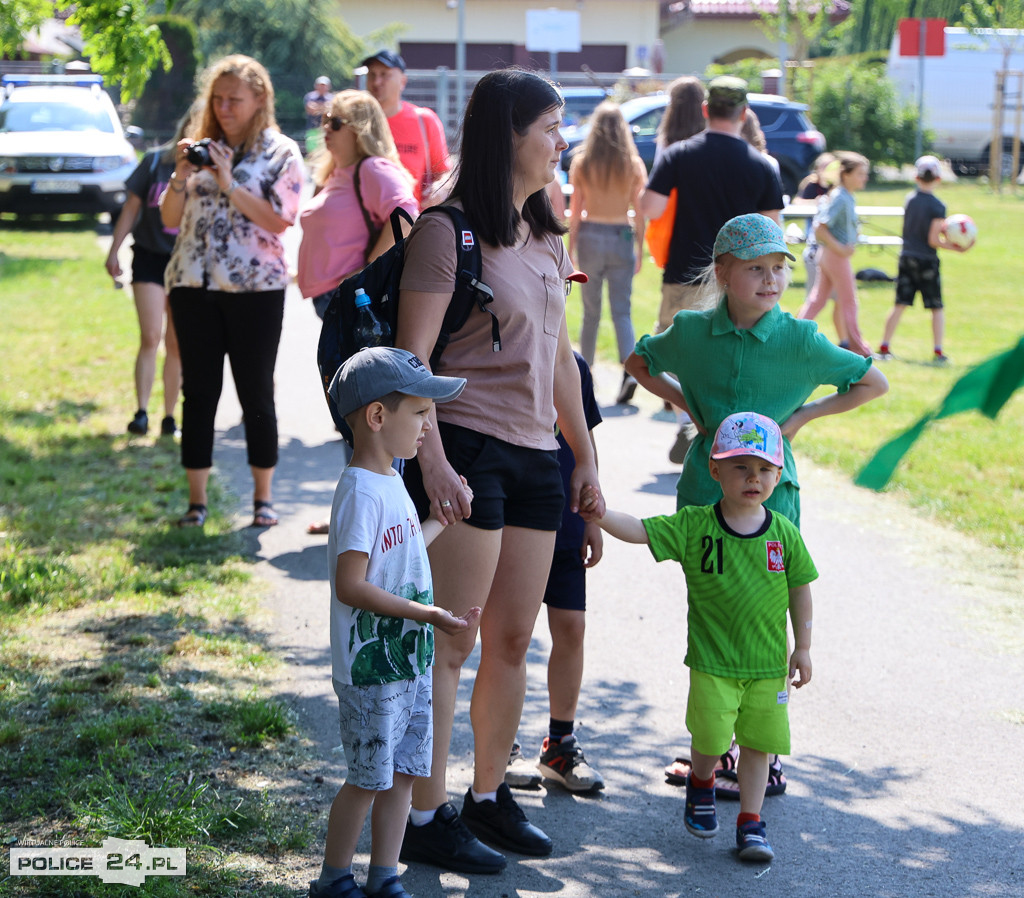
[961, 230]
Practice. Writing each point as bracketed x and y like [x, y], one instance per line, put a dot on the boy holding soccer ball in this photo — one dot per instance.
[923, 235]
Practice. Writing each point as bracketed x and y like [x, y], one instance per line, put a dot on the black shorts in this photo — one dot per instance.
[148, 266]
[512, 486]
[567, 582]
[919, 275]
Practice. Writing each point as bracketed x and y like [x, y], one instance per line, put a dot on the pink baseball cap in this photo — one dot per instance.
[748, 433]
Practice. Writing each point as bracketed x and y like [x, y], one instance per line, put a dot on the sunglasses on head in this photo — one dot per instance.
[334, 121]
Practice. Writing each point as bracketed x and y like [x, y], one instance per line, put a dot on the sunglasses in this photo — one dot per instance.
[334, 121]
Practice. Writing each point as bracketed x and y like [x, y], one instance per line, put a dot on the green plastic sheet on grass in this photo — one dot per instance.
[986, 388]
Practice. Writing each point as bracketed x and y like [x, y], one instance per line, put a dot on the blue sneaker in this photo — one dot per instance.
[391, 888]
[752, 844]
[342, 888]
[700, 816]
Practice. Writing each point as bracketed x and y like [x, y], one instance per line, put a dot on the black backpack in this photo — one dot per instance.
[380, 279]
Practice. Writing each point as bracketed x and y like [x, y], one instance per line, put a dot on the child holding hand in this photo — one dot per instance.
[382, 615]
[746, 353]
[835, 230]
[745, 569]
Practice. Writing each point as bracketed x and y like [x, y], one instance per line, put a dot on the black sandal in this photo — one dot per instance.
[194, 517]
[263, 514]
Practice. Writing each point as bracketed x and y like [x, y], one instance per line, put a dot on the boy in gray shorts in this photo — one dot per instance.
[382, 615]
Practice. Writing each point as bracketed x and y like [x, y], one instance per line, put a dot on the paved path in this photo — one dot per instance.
[918, 665]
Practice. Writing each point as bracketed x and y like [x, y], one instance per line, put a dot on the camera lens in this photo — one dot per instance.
[199, 153]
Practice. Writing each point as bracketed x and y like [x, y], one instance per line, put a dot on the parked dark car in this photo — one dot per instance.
[580, 102]
[791, 137]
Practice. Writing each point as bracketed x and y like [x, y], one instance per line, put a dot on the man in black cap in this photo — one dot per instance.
[419, 135]
[717, 176]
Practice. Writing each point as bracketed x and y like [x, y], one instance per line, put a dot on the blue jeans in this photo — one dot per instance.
[606, 252]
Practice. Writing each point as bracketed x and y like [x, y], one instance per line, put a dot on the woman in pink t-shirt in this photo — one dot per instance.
[336, 239]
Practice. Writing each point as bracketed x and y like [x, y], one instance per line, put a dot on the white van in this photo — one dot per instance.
[959, 93]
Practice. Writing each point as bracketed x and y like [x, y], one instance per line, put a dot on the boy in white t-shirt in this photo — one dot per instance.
[382, 615]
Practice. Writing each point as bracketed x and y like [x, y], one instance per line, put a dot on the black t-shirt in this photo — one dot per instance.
[921, 210]
[718, 177]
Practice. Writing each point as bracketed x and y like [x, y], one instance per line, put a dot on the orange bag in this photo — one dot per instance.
[659, 232]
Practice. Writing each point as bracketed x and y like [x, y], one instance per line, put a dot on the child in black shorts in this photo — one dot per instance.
[923, 235]
[578, 546]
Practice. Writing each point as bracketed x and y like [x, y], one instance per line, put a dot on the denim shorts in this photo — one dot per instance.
[386, 728]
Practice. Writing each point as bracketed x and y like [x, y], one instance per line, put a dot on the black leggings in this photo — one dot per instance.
[247, 327]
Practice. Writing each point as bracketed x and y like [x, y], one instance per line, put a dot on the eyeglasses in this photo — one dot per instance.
[334, 121]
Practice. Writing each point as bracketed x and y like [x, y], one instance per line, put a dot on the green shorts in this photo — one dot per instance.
[757, 711]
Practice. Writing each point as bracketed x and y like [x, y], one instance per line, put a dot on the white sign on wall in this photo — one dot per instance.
[553, 31]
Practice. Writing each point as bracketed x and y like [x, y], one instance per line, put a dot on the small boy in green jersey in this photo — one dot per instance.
[745, 567]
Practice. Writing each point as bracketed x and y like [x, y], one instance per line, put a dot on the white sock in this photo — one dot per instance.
[483, 796]
[421, 818]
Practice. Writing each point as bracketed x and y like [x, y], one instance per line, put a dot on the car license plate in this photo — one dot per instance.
[55, 185]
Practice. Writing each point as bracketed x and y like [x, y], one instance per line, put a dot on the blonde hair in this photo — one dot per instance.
[185, 123]
[364, 115]
[751, 131]
[256, 78]
[845, 163]
[608, 152]
[711, 283]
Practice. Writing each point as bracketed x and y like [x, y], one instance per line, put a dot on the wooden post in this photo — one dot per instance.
[995, 149]
[1015, 168]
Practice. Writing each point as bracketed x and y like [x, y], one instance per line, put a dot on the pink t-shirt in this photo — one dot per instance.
[509, 394]
[334, 234]
[405, 129]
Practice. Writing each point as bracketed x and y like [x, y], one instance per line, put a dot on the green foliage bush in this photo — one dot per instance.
[856, 108]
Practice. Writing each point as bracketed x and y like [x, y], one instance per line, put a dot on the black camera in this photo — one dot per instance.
[198, 153]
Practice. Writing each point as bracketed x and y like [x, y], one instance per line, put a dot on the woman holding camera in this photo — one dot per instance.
[234, 190]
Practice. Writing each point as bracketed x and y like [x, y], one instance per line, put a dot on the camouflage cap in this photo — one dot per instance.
[727, 90]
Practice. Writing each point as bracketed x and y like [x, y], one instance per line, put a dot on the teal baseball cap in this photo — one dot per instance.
[750, 236]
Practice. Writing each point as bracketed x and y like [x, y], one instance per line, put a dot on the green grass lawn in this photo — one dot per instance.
[136, 678]
[967, 470]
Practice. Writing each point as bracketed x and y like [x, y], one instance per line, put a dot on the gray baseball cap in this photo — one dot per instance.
[375, 371]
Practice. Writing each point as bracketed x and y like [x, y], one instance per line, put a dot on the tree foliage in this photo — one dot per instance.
[305, 37]
[18, 18]
[857, 108]
[120, 40]
[801, 24]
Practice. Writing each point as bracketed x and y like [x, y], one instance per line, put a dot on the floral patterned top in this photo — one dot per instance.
[220, 249]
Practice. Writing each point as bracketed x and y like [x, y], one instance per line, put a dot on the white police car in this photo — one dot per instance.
[62, 148]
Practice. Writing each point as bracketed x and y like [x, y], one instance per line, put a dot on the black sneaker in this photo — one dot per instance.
[446, 842]
[167, 427]
[627, 389]
[504, 823]
[139, 425]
